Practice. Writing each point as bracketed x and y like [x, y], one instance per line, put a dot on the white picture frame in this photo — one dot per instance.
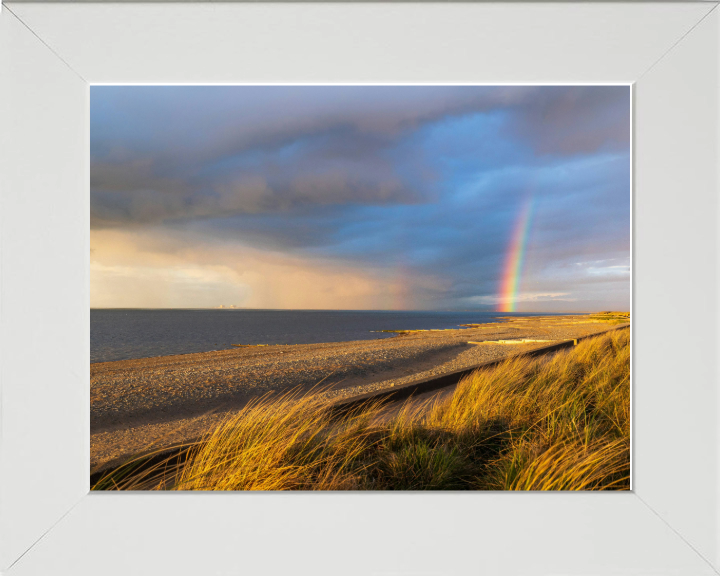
[49, 522]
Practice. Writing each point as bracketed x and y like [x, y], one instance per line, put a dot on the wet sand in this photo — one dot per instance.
[151, 403]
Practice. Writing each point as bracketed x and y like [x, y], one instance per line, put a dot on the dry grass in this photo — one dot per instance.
[611, 317]
[553, 423]
[279, 444]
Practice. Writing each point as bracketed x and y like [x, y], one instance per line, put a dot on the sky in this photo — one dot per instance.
[512, 198]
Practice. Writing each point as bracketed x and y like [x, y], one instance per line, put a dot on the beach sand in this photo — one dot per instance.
[152, 403]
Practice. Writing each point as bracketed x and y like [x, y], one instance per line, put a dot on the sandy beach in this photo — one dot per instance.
[151, 403]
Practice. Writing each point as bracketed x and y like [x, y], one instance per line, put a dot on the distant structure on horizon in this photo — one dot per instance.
[223, 307]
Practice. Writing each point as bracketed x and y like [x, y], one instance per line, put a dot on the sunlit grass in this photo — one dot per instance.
[282, 443]
[548, 423]
[611, 317]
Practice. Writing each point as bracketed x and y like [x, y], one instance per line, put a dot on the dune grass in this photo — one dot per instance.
[611, 317]
[547, 423]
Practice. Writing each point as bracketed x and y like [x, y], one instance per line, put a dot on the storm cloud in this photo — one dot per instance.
[411, 190]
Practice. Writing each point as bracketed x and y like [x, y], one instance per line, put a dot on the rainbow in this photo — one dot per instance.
[514, 260]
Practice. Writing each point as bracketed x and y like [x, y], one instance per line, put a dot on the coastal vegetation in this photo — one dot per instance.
[611, 317]
[559, 422]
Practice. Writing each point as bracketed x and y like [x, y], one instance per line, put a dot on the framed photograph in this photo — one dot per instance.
[642, 69]
[288, 284]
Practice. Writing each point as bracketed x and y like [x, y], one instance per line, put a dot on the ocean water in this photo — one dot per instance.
[122, 334]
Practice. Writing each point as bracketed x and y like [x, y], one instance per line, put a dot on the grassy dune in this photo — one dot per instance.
[611, 317]
[548, 423]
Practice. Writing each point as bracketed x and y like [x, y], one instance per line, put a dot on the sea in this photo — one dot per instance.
[123, 334]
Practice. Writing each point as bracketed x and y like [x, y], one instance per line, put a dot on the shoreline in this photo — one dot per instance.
[163, 400]
[136, 341]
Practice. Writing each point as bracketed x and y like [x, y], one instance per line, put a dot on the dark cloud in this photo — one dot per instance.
[207, 151]
[133, 194]
[575, 120]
